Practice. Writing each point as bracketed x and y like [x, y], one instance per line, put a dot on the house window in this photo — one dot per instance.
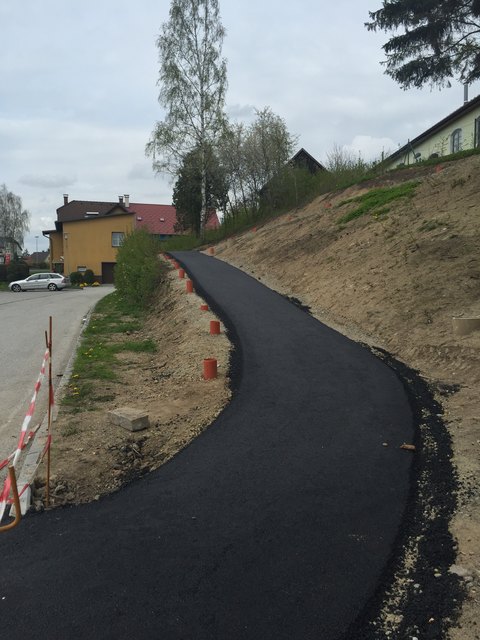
[476, 140]
[117, 238]
[456, 141]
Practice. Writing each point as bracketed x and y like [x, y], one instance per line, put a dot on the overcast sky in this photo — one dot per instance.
[78, 93]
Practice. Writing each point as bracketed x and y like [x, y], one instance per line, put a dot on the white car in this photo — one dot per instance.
[51, 281]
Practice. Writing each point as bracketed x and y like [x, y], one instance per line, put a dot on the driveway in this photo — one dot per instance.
[275, 524]
[24, 320]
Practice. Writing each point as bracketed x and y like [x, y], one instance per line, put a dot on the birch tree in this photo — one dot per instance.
[14, 219]
[193, 82]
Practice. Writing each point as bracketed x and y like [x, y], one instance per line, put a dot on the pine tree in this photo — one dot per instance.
[440, 40]
[187, 191]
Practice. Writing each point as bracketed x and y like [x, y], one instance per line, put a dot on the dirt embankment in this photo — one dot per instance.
[392, 279]
[395, 279]
[91, 456]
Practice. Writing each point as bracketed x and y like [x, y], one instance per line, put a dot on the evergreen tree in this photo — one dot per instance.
[187, 192]
[440, 40]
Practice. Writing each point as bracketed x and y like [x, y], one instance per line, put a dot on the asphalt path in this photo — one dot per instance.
[276, 523]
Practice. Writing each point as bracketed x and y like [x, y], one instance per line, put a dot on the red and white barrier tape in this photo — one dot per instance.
[23, 439]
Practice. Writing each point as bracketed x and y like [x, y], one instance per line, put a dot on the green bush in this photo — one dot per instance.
[88, 277]
[17, 270]
[138, 270]
[76, 278]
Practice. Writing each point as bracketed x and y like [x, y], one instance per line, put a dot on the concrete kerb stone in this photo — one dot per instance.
[129, 418]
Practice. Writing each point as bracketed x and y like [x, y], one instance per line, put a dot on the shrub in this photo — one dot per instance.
[138, 270]
[88, 277]
[17, 270]
[76, 278]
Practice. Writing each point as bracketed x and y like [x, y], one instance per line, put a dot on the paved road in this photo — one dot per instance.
[24, 318]
[275, 524]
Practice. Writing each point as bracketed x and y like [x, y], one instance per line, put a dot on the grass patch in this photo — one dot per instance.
[145, 346]
[107, 334]
[375, 200]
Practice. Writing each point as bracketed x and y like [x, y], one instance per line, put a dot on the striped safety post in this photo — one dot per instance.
[23, 439]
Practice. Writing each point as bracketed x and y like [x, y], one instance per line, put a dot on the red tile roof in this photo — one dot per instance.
[158, 219]
[212, 222]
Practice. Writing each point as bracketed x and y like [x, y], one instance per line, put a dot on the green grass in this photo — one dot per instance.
[108, 333]
[146, 346]
[374, 202]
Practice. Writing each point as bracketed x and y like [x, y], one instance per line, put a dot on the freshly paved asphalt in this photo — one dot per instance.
[276, 523]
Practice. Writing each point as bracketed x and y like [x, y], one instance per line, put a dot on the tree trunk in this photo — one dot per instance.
[203, 213]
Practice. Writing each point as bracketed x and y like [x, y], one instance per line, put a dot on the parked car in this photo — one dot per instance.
[51, 281]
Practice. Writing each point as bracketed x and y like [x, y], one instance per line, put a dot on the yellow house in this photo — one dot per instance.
[87, 234]
[459, 131]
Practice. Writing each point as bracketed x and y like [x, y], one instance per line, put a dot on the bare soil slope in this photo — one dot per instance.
[395, 279]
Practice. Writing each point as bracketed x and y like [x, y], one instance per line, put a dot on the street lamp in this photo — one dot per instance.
[36, 248]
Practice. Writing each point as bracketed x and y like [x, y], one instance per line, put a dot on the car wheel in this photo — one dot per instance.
[16, 288]
[52, 286]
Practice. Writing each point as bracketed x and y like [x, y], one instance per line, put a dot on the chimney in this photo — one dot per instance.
[465, 93]
[127, 200]
[65, 199]
[120, 199]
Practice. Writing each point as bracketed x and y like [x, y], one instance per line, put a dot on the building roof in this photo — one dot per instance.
[452, 117]
[213, 221]
[77, 209]
[302, 157]
[158, 219]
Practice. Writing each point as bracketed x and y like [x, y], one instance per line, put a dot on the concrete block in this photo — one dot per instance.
[130, 419]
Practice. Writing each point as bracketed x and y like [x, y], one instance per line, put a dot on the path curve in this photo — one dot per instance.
[276, 523]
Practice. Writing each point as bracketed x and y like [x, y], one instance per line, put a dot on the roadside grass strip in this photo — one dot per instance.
[108, 333]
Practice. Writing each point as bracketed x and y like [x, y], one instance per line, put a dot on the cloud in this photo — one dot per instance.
[47, 181]
[241, 111]
[370, 148]
[140, 171]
